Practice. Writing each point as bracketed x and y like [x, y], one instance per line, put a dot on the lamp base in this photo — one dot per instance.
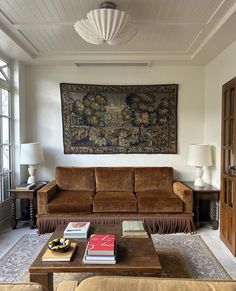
[199, 182]
[31, 171]
[199, 172]
[31, 180]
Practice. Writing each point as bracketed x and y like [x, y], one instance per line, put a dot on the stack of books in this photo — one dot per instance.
[133, 229]
[25, 186]
[77, 230]
[101, 249]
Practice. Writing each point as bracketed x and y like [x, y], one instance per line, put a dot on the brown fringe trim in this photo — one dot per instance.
[167, 225]
[160, 225]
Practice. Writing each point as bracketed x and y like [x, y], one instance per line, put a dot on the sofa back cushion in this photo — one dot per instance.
[75, 178]
[151, 179]
[114, 179]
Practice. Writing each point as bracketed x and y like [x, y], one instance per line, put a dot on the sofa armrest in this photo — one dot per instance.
[45, 195]
[185, 194]
[67, 286]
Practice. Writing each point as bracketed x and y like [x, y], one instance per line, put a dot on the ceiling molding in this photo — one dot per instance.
[14, 35]
[139, 56]
[114, 64]
[33, 33]
[55, 25]
[215, 12]
[215, 30]
[17, 41]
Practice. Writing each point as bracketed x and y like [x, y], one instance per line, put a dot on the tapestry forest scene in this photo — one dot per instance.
[119, 119]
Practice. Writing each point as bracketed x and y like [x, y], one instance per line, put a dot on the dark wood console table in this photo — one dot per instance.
[201, 194]
[24, 194]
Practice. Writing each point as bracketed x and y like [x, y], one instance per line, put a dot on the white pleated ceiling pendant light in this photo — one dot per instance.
[106, 24]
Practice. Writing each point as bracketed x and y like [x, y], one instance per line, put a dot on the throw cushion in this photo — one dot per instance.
[114, 179]
[75, 178]
[155, 201]
[71, 201]
[114, 202]
[153, 179]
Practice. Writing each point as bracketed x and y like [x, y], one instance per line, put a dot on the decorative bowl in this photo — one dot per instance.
[59, 245]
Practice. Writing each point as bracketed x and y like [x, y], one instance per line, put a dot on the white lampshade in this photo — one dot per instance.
[31, 154]
[199, 155]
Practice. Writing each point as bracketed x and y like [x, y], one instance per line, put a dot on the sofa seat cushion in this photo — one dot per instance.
[158, 201]
[112, 201]
[114, 179]
[71, 201]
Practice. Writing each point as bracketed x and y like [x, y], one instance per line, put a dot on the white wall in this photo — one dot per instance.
[218, 72]
[44, 121]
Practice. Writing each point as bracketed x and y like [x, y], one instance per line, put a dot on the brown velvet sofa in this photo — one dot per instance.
[110, 195]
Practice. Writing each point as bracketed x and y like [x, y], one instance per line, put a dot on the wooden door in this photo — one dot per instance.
[228, 163]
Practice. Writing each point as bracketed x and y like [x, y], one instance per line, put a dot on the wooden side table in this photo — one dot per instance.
[24, 194]
[206, 193]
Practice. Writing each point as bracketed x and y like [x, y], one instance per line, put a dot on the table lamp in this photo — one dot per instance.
[32, 155]
[199, 156]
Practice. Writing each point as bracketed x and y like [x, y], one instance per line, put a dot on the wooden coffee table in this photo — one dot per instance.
[135, 256]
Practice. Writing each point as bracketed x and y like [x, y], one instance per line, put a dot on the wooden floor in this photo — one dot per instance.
[9, 237]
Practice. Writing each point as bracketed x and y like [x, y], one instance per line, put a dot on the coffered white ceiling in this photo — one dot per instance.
[170, 31]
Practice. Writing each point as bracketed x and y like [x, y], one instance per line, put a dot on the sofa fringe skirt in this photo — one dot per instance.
[161, 224]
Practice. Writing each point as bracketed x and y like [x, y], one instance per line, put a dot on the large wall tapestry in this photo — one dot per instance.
[100, 119]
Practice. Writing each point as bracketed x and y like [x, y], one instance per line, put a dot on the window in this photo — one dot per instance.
[5, 130]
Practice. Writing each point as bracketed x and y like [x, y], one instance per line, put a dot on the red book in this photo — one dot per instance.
[101, 244]
[101, 238]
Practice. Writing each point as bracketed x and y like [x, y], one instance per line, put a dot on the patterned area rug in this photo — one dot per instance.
[181, 256]
[198, 258]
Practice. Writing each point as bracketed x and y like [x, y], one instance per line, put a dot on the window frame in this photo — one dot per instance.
[7, 173]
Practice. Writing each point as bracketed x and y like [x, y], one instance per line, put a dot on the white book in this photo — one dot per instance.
[132, 226]
[80, 227]
[75, 235]
[131, 235]
[100, 258]
[99, 262]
